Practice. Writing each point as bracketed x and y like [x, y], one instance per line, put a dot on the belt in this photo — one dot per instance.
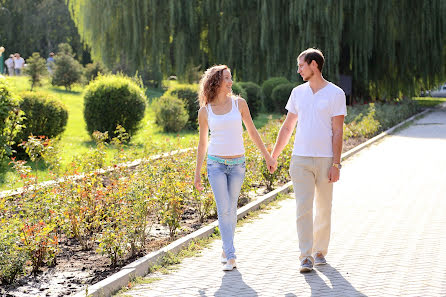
[227, 161]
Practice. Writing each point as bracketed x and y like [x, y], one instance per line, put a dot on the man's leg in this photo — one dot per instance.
[302, 176]
[324, 195]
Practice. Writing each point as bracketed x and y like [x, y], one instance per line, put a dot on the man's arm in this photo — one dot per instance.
[284, 134]
[337, 127]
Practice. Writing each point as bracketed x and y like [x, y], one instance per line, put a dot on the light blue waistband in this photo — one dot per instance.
[234, 161]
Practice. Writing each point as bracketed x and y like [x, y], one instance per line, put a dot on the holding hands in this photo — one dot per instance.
[271, 163]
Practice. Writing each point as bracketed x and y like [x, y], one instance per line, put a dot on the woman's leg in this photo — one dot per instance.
[219, 182]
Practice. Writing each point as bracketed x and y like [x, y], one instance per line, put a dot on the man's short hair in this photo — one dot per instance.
[313, 54]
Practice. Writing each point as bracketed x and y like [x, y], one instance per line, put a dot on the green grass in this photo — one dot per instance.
[429, 101]
[75, 141]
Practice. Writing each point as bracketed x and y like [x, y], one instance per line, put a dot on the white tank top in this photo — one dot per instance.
[226, 132]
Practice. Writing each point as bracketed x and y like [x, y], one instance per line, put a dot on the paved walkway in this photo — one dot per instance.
[388, 232]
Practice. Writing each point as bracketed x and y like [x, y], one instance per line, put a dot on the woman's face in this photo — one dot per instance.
[226, 83]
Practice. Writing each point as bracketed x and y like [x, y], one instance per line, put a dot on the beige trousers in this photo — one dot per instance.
[309, 174]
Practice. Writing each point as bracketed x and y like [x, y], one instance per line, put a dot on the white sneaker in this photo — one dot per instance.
[223, 260]
[228, 266]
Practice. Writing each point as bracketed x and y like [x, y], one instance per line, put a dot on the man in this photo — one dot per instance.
[19, 63]
[318, 107]
[10, 65]
[50, 63]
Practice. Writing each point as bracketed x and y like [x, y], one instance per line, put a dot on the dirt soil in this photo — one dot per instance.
[75, 269]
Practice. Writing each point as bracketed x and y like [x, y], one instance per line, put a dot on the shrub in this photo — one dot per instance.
[280, 96]
[254, 97]
[11, 118]
[268, 87]
[189, 94]
[113, 100]
[67, 70]
[92, 70]
[44, 115]
[36, 68]
[170, 113]
[238, 90]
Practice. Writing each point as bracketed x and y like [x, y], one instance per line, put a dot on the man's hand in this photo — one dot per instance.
[333, 174]
[271, 164]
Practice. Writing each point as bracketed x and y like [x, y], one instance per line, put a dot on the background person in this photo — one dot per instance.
[10, 65]
[222, 113]
[19, 63]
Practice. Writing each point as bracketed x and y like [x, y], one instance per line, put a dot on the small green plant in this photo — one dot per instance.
[68, 70]
[170, 113]
[189, 94]
[280, 96]
[253, 97]
[36, 68]
[268, 87]
[45, 116]
[11, 119]
[113, 100]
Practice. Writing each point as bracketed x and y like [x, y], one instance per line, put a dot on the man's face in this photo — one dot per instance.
[304, 69]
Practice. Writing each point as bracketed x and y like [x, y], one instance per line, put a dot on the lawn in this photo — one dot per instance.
[429, 101]
[75, 141]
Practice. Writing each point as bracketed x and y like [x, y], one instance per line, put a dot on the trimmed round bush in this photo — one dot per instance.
[238, 90]
[10, 118]
[45, 115]
[254, 97]
[189, 94]
[268, 87]
[113, 100]
[280, 96]
[170, 113]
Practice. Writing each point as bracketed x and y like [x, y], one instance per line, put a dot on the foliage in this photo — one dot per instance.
[36, 68]
[176, 35]
[268, 87]
[113, 100]
[92, 70]
[253, 97]
[170, 113]
[280, 96]
[11, 119]
[189, 94]
[41, 25]
[67, 70]
[238, 90]
[45, 115]
[12, 259]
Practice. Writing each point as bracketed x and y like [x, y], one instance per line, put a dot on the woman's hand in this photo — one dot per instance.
[271, 164]
[197, 183]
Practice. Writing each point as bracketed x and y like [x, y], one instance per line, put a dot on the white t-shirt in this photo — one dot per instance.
[18, 63]
[314, 118]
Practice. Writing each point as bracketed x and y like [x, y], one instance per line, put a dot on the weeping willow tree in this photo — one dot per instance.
[389, 47]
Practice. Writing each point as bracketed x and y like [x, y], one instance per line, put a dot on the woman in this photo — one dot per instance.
[222, 113]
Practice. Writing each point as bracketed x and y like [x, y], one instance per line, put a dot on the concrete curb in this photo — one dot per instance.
[141, 266]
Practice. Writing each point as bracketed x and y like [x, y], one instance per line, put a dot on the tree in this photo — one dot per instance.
[67, 70]
[378, 42]
[36, 68]
[41, 26]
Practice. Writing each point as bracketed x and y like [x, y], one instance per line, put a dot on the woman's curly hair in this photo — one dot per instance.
[210, 83]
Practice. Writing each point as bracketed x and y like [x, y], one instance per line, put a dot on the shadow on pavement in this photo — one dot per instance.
[232, 284]
[339, 284]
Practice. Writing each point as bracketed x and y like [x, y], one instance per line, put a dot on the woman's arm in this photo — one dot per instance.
[252, 131]
[202, 146]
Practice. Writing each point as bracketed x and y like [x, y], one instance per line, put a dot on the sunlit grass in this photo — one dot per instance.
[429, 101]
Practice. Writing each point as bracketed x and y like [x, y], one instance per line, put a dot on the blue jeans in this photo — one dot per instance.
[226, 182]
